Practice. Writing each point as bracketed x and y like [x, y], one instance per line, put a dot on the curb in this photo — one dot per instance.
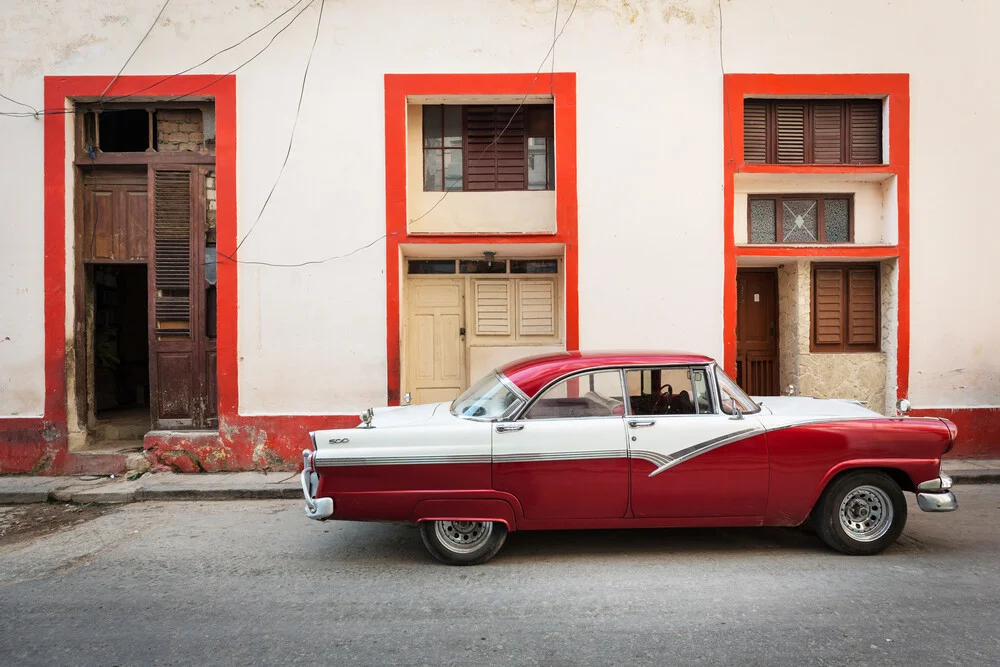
[975, 477]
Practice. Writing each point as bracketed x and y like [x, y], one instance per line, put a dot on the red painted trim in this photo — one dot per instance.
[397, 88]
[861, 252]
[896, 88]
[978, 430]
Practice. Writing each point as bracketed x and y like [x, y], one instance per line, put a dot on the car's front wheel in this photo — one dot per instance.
[861, 513]
[463, 542]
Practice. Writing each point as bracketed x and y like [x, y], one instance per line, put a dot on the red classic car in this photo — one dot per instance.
[615, 440]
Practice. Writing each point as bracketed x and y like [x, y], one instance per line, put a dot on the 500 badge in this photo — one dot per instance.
[339, 441]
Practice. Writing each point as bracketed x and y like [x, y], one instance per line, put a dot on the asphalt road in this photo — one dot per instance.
[255, 582]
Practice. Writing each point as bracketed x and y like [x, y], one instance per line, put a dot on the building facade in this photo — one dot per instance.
[279, 214]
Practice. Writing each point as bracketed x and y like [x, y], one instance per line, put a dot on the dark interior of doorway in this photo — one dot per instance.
[120, 399]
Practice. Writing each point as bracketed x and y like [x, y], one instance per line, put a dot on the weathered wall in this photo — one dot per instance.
[650, 152]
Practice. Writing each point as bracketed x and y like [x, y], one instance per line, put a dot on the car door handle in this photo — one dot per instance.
[643, 423]
[510, 429]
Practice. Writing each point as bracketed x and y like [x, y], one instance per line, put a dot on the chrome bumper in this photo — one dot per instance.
[316, 508]
[944, 501]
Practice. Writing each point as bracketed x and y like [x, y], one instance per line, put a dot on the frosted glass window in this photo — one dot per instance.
[837, 217]
[799, 221]
[762, 221]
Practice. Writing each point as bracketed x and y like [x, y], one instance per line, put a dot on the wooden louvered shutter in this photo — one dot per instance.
[536, 308]
[755, 131]
[862, 316]
[496, 149]
[492, 308]
[172, 253]
[828, 307]
[828, 132]
[864, 131]
[791, 130]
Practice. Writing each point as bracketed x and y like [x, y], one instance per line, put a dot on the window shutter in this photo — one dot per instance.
[827, 130]
[172, 252]
[492, 308]
[865, 131]
[536, 308]
[791, 132]
[863, 307]
[829, 306]
[755, 131]
[495, 161]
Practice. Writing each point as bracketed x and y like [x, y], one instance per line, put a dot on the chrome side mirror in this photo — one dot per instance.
[407, 397]
[366, 417]
[903, 406]
[737, 413]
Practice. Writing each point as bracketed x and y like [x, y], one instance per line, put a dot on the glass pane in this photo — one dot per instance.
[452, 125]
[534, 266]
[836, 214]
[482, 266]
[432, 126]
[590, 395]
[537, 163]
[799, 221]
[731, 396]
[660, 391]
[487, 399]
[453, 168]
[762, 221]
[433, 178]
[702, 394]
[431, 266]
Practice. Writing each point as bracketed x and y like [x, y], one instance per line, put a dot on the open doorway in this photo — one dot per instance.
[119, 414]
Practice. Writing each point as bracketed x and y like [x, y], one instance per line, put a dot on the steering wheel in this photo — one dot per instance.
[663, 397]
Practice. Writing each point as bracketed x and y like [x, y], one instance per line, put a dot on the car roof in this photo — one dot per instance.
[533, 373]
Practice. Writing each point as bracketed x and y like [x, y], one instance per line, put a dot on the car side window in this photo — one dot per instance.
[667, 391]
[702, 392]
[597, 394]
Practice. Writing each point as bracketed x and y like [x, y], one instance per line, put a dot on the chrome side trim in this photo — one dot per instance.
[937, 502]
[337, 461]
[704, 447]
[514, 389]
[655, 458]
[560, 456]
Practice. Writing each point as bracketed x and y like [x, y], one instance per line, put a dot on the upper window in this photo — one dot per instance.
[795, 218]
[778, 131]
[845, 308]
[668, 391]
[488, 147]
[597, 394]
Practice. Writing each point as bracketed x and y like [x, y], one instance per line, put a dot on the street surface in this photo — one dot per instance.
[255, 582]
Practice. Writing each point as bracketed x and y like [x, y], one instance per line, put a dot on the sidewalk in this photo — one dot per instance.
[21, 489]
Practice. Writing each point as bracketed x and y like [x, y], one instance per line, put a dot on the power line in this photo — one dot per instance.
[513, 114]
[135, 50]
[295, 123]
[27, 106]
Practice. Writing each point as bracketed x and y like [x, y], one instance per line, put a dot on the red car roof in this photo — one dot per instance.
[533, 373]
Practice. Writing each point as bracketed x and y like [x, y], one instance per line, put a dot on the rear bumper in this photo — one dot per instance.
[944, 501]
[316, 508]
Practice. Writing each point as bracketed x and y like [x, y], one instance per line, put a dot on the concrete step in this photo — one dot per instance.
[121, 429]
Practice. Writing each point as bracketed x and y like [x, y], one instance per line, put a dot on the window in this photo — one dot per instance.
[597, 394]
[488, 147]
[668, 391]
[812, 131]
[488, 398]
[430, 266]
[795, 218]
[732, 397]
[845, 308]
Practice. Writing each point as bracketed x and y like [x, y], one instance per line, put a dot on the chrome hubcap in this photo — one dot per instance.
[866, 513]
[463, 537]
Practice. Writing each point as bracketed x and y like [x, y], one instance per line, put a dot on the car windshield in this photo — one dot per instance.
[730, 396]
[487, 399]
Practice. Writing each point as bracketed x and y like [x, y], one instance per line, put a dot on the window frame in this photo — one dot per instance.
[713, 398]
[820, 198]
[809, 143]
[845, 347]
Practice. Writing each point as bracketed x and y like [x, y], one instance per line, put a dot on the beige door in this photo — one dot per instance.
[435, 345]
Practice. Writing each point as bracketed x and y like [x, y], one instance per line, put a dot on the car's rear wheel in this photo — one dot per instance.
[861, 513]
[463, 542]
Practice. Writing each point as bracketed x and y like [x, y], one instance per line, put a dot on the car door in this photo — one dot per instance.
[688, 458]
[566, 457]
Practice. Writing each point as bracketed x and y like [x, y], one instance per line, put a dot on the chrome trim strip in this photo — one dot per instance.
[560, 456]
[704, 447]
[505, 381]
[335, 461]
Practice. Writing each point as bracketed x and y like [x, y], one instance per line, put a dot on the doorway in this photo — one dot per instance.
[435, 341]
[757, 331]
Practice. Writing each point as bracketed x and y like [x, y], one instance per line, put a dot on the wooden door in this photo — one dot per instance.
[115, 217]
[182, 357]
[757, 331]
[435, 349]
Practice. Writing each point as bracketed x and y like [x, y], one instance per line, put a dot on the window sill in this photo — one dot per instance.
[817, 250]
[754, 168]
